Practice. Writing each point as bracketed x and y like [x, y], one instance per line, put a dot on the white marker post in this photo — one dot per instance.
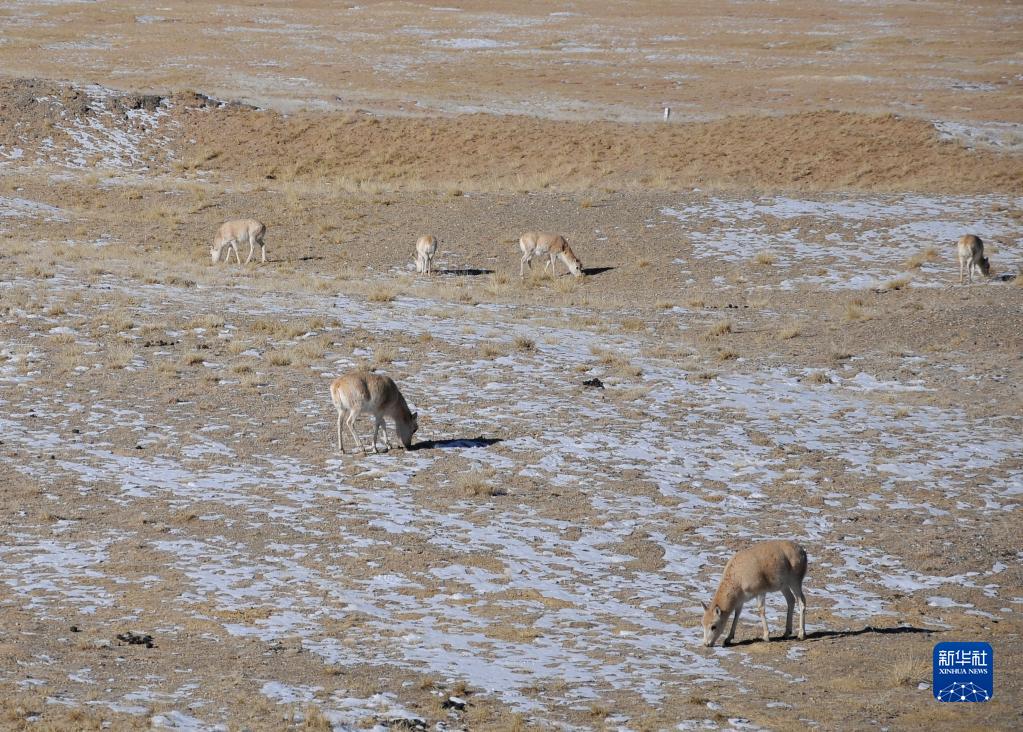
[667, 113]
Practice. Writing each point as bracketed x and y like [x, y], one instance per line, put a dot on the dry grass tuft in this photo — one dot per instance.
[818, 377]
[193, 359]
[616, 361]
[765, 258]
[930, 254]
[279, 358]
[721, 327]
[382, 294]
[209, 322]
[120, 356]
[909, 670]
[854, 311]
[492, 350]
[383, 355]
[478, 483]
[566, 284]
[789, 332]
[898, 283]
[524, 344]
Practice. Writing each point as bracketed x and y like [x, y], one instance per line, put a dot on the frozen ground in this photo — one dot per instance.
[848, 242]
[664, 477]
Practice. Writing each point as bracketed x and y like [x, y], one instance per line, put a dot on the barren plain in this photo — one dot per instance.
[771, 306]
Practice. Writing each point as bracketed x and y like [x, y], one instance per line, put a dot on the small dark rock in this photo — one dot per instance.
[136, 639]
[453, 702]
[594, 383]
[75, 629]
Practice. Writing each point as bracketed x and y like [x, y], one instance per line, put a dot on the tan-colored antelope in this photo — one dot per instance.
[971, 256]
[363, 391]
[426, 248]
[240, 231]
[538, 244]
[769, 566]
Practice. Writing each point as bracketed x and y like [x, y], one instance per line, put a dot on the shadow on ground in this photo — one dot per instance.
[466, 272]
[463, 442]
[821, 634]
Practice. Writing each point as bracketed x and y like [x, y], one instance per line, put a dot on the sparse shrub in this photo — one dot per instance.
[788, 333]
[818, 377]
[525, 344]
[765, 258]
[279, 358]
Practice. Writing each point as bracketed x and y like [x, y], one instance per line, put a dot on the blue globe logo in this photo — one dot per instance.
[959, 691]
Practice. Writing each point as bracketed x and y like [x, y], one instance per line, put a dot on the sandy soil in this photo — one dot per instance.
[784, 351]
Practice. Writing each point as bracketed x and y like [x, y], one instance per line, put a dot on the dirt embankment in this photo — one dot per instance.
[811, 152]
[816, 151]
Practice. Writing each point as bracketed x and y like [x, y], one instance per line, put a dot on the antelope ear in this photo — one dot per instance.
[704, 605]
[415, 415]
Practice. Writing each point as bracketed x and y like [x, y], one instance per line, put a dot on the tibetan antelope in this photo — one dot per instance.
[769, 566]
[536, 244]
[232, 233]
[363, 391]
[971, 256]
[426, 247]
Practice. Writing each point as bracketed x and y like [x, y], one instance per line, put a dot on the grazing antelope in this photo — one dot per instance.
[241, 231]
[375, 394]
[426, 247]
[536, 244]
[971, 256]
[769, 566]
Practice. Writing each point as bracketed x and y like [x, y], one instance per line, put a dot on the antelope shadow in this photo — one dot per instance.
[821, 634]
[463, 442]
[466, 272]
[594, 271]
